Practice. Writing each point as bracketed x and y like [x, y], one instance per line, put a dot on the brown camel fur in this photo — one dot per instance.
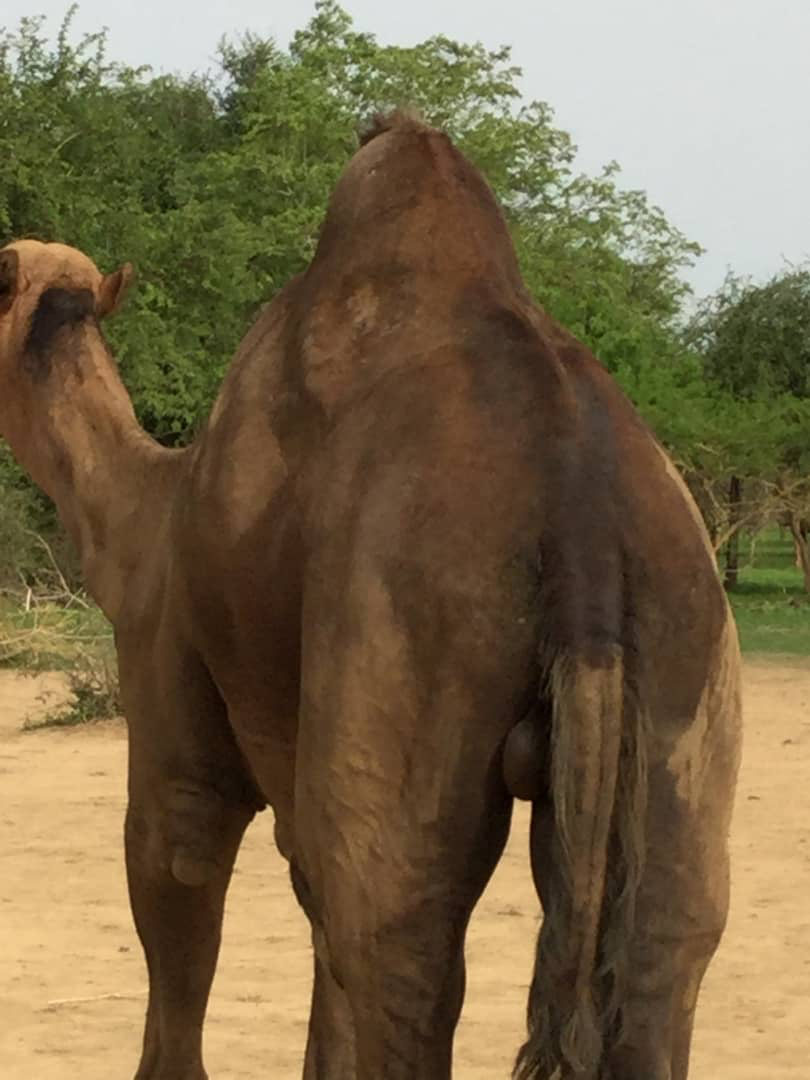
[424, 557]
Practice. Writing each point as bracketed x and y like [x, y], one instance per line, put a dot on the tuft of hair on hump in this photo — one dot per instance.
[403, 118]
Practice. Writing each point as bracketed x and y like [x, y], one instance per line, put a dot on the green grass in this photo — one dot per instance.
[77, 640]
[770, 604]
[50, 637]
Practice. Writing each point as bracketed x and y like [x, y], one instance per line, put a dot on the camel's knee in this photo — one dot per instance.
[186, 830]
[197, 823]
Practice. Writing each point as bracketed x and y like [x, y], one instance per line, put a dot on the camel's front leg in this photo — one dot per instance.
[179, 926]
[189, 804]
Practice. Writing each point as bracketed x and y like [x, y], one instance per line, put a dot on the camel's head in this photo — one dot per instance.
[49, 294]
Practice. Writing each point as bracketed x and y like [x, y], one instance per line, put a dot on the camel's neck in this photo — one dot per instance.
[112, 484]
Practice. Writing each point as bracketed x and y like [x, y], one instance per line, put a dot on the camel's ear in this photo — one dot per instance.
[113, 290]
[9, 275]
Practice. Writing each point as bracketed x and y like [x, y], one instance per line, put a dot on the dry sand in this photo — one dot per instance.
[66, 933]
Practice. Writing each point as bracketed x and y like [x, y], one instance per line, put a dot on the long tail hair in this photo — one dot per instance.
[598, 788]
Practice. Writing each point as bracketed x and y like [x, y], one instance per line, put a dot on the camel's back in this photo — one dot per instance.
[459, 435]
[404, 405]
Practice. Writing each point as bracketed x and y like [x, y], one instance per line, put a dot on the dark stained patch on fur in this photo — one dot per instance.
[57, 309]
[9, 265]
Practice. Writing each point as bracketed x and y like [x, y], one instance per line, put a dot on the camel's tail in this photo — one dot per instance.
[598, 789]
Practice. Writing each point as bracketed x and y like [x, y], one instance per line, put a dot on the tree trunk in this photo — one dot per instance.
[733, 545]
[801, 545]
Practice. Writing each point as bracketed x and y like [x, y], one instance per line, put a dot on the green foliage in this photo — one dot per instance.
[216, 185]
[755, 339]
[93, 696]
[51, 637]
[601, 259]
[713, 431]
[25, 514]
[77, 641]
[753, 343]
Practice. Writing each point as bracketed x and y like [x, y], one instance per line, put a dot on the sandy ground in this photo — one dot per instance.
[66, 933]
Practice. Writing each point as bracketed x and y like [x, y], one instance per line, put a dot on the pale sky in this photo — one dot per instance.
[704, 103]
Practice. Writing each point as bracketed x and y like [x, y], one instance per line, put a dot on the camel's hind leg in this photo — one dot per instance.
[330, 1053]
[189, 804]
[681, 904]
[392, 920]
[683, 899]
[400, 821]
[680, 918]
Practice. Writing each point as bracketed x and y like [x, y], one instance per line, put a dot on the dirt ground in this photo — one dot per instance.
[71, 975]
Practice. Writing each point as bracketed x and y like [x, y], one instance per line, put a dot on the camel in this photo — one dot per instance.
[423, 559]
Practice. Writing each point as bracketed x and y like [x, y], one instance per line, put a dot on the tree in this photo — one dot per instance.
[214, 185]
[601, 259]
[754, 344]
[755, 339]
[218, 184]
